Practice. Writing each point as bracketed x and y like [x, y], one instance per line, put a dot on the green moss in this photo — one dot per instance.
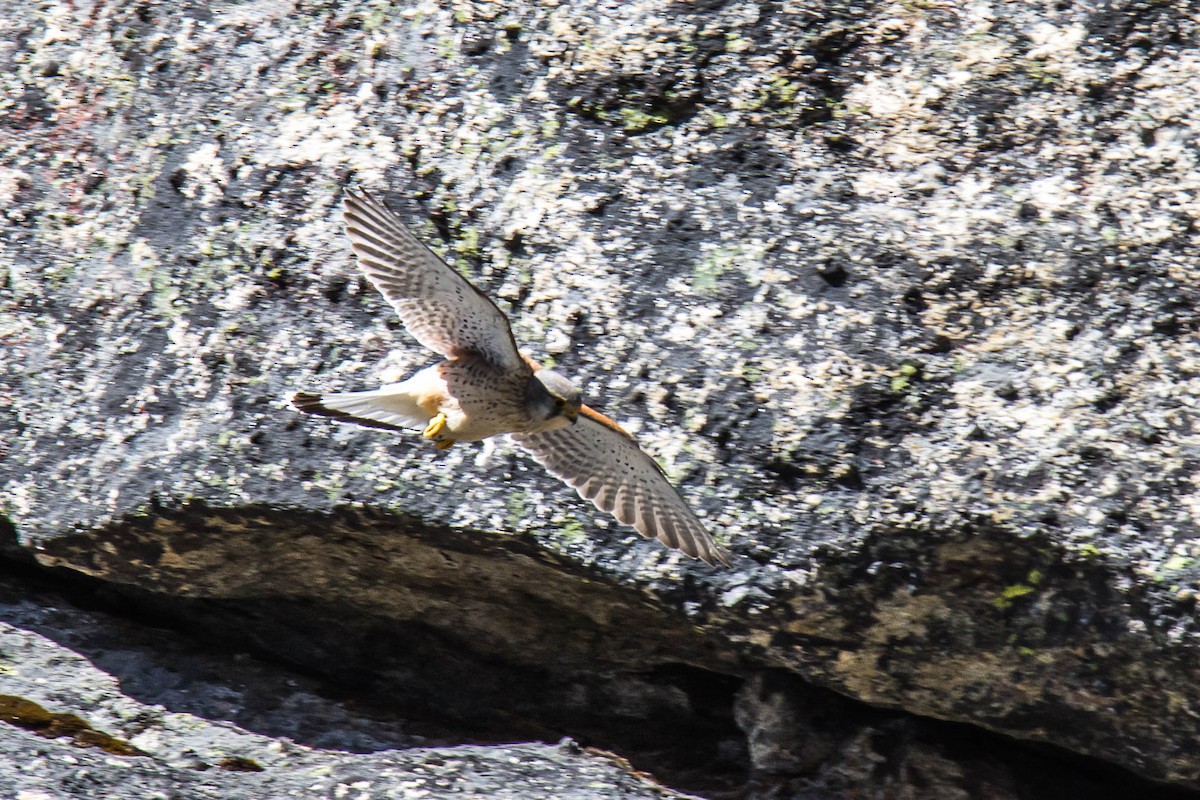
[784, 91]
[708, 271]
[518, 508]
[1039, 72]
[737, 44]
[572, 530]
[164, 295]
[334, 486]
[1173, 564]
[468, 243]
[779, 92]
[1011, 593]
[239, 764]
[32, 717]
[750, 373]
[1177, 562]
[361, 470]
[841, 109]
[637, 121]
[908, 373]
[716, 120]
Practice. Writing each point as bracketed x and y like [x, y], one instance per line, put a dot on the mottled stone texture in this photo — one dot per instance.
[904, 296]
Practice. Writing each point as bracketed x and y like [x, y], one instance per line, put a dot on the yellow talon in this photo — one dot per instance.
[434, 431]
[435, 427]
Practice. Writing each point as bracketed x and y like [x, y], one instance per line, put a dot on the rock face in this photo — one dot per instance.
[200, 724]
[903, 296]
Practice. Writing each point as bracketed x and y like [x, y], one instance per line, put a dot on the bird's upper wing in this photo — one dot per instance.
[440, 307]
[606, 466]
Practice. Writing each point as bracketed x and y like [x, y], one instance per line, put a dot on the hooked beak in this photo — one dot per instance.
[573, 415]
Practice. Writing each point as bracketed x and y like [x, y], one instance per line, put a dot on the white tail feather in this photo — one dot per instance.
[386, 405]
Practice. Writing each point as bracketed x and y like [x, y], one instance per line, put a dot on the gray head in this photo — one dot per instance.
[550, 396]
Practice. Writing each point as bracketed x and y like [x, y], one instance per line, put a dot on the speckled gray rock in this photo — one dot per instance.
[54, 770]
[904, 296]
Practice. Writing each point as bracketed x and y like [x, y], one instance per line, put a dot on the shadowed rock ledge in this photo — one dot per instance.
[454, 639]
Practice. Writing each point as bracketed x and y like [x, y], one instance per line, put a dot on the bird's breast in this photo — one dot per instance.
[481, 402]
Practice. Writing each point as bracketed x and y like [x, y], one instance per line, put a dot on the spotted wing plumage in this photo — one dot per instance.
[440, 308]
[605, 465]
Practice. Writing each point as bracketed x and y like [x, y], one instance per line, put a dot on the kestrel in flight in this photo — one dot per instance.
[486, 387]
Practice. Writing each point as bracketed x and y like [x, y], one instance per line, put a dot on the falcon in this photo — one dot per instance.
[485, 387]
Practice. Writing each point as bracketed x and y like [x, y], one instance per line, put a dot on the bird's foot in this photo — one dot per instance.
[435, 427]
[434, 431]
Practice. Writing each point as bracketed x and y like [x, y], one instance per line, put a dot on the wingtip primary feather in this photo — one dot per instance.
[360, 196]
[717, 556]
[694, 540]
[360, 207]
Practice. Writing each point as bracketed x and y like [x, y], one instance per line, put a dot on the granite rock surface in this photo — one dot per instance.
[902, 295]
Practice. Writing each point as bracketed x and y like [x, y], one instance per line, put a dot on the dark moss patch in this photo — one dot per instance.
[239, 764]
[33, 717]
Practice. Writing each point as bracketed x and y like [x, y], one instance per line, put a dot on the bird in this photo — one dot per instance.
[484, 387]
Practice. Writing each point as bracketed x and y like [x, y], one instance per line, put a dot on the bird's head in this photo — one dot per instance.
[552, 397]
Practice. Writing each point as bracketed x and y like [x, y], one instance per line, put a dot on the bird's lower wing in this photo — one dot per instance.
[605, 465]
